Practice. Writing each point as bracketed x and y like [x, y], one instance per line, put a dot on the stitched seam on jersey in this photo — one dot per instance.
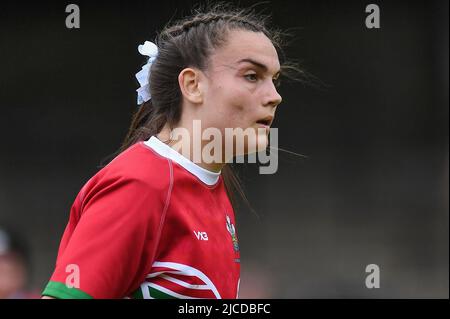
[163, 216]
[166, 206]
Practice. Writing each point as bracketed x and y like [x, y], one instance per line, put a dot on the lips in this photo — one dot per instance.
[266, 121]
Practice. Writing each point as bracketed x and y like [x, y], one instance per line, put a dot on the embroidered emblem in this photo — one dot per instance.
[232, 232]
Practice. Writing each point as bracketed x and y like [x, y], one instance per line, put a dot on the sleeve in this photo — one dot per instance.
[112, 247]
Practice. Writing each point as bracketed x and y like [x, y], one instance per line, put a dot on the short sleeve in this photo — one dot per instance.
[111, 249]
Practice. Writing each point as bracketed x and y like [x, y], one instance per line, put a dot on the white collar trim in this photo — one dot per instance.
[206, 176]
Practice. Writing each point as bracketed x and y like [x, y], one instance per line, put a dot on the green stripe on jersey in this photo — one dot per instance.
[137, 294]
[154, 293]
[157, 294]
[60, 290]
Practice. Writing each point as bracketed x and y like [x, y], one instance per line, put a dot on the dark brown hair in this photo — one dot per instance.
[189, 42]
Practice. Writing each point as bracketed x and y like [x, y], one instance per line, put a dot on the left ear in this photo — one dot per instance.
[191, 82]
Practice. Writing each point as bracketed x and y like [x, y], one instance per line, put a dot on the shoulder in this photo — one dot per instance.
[138, 171]
[139, 162]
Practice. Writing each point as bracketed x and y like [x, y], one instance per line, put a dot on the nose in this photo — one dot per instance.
[272, 97]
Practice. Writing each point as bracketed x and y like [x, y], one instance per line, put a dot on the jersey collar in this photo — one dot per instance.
[206, 176]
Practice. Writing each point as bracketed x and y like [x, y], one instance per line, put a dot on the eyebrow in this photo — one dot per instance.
[257, 64]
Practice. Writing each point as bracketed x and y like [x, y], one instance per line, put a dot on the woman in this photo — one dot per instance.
[154, 222]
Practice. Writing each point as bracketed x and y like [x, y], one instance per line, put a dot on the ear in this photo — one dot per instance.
[191, 85]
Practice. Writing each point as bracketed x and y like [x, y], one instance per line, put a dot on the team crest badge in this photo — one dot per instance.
[232, 232]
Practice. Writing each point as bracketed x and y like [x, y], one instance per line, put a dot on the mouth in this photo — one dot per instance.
[266, 121]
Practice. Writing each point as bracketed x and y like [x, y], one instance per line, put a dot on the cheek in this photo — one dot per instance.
[240, 108]
[233, 104]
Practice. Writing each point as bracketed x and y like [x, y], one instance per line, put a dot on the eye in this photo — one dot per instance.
[252, 77]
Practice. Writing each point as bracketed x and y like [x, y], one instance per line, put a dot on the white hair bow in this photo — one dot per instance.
[143, 76]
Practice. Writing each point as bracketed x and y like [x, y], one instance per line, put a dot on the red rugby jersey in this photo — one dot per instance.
[150, 224]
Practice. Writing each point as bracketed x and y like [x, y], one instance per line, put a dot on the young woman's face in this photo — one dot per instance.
[240, 91]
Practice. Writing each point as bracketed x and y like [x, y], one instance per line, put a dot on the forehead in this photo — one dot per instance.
[246, 45]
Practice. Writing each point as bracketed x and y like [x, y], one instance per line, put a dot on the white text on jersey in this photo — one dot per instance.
[201, 235]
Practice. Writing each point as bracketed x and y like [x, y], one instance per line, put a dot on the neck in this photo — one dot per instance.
[187, 148]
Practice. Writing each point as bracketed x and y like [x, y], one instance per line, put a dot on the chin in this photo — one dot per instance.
[255, 141]
[262, 142]
[257, 144]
